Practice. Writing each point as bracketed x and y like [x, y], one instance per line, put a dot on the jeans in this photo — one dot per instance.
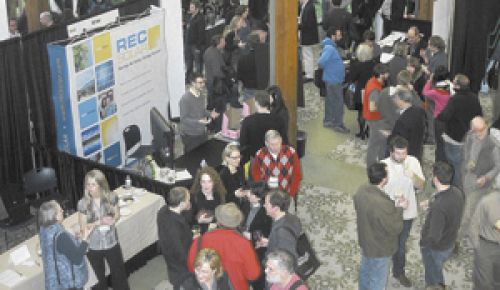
[399, 258]
[377, 143]
[454, 156]
[373, 273]
[334, 105]
[433, 264]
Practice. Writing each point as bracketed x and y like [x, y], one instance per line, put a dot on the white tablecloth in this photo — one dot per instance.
[136, 232]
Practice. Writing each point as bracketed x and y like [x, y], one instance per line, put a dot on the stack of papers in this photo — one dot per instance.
[10, 278]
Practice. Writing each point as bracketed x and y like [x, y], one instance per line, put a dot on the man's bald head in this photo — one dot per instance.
[478, 126]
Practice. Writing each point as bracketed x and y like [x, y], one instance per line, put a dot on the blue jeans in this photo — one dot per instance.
[454, 156]
[334, 105]
[399, 258]
[373, 273]
[433, 264]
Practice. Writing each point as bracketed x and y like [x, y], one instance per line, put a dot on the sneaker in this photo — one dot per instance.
[341, 129]
[328, 124]
[404, 281]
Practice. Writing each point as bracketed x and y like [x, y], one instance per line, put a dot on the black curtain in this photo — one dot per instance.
[25, 92]
[473, 21]
[14, 126]
[37, 69]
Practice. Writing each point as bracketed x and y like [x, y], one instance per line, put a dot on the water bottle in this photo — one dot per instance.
[128, 182]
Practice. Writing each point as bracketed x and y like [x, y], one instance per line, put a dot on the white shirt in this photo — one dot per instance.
[401, 183]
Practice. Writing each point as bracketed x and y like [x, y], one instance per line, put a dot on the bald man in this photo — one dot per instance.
[480, 166]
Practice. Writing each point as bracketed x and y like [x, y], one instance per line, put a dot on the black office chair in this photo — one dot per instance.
[133, 147]
[39, 185]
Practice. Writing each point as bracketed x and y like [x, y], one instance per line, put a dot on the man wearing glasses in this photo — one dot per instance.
[194, 115]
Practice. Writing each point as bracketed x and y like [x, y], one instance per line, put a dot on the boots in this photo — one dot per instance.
[363, 129]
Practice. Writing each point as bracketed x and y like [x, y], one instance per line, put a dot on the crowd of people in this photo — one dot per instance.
[232, 229]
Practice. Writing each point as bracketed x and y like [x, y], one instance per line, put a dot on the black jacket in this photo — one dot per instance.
[443, 220]
[254, 128]
[458, 113]
[360, 73]
[309, 25]
[411, 125]
[196, 31]
[174, 239]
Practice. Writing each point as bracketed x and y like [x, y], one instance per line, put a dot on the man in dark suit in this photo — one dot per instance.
[340, 18]
[174, 235]
[410, 124]
[194, 39]
[308, 26]
[254, 127]
[456, 116]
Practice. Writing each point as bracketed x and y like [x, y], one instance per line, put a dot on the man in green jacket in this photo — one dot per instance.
[379, 223]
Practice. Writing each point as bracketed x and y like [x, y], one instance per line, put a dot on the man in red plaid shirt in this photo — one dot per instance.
[278, 165]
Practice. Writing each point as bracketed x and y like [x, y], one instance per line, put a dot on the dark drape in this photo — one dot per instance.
[14, 127]
[38, 84]
[25, 94]
[474, 20]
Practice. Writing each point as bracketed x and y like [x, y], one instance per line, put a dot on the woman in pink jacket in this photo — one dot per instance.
[437, 89]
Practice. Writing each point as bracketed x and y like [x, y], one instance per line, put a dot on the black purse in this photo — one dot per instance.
[307, 261]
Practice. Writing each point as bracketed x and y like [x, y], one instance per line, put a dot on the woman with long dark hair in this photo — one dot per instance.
[207, 192]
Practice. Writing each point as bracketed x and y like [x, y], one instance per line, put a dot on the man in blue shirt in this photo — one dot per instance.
[333, 76]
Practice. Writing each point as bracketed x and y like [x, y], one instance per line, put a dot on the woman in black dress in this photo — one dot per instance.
[207, 192]
[232, 174]
[361, 70]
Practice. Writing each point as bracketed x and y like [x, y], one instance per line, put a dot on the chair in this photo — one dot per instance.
[133, 147]
[39, 185]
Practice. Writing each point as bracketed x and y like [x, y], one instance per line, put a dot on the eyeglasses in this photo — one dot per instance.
[235, 157]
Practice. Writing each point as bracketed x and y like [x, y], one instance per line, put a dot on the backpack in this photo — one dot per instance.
[307, 261]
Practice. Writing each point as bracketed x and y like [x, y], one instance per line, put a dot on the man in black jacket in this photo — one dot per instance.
[174, 235]
[308, 27]
[411, 124]
[340, 18]
[194, 39]
[439, 233]
[254, 127]
[456, 116]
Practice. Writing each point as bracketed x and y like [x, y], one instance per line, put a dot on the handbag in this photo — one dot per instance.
[318, 78]
[349, 91]
[318, 81]
[307, 261]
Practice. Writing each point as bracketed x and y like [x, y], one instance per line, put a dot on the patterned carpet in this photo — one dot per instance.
[329, 219]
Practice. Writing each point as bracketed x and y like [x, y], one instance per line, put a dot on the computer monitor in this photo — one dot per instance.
[163, 139]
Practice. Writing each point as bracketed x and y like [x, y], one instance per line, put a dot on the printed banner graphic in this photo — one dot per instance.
[107, 83]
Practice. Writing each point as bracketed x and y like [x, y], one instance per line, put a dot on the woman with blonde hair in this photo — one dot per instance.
[361, 71]
[208, 273]
[99, 208]
[207, 192]
[232, 174]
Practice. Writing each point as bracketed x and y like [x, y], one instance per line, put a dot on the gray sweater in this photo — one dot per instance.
[192, 109]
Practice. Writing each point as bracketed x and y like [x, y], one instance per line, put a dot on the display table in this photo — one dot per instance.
[136, 229]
